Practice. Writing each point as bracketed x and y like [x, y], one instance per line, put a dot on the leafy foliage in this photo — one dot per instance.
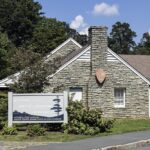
[18, 19]
[84, 121]
[144, 46]
[25, 33]
[5, 49]
[24, 57]
[121, 38]
[53, 127]
[3, 109]
[34, 78]
[9, 130]
[35, 130]
[82, 39]
[49, 33]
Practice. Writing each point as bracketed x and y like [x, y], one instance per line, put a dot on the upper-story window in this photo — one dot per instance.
[119, 97]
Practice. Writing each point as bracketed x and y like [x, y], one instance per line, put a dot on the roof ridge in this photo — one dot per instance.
[133, 55]
[73, 54]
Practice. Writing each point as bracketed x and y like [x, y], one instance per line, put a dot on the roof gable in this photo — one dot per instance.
[116, 58]
[68, 62]
[10, 79]
[129, 66]
[63, 44]
[139, 62]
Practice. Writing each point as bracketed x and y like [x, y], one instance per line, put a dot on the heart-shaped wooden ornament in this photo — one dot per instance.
[100, 75]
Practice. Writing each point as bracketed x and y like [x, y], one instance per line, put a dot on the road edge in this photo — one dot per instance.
[128, 146]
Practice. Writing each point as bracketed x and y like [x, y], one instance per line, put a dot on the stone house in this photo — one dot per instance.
[117, 84]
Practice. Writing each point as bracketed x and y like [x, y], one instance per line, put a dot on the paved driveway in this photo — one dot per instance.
[96, 143]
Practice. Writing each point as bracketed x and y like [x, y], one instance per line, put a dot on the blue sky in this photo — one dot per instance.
[81, 14]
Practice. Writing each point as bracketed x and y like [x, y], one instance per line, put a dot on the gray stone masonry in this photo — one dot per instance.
[64, 51]
[118, 76]
[98, 37]
[75, 75]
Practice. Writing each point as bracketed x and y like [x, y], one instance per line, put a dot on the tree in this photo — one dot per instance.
[121, 38]
[144, 46]
[49, 33]
[82, 39]
[33, 78]
[18, 18]
[25, 35]
[5, 46]
[24, 57]
[3, 109]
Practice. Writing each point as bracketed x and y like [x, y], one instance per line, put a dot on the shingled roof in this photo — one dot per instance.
[140, 62]
[73, 54]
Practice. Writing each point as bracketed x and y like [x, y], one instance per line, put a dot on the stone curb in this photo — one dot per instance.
[129, 146]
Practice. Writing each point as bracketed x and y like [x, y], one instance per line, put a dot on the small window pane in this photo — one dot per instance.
[75, 94]
[119, 94]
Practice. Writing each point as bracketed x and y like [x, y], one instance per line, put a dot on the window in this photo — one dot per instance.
[119, 94]
[75, 94]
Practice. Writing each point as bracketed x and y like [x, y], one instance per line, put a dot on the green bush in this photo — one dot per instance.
[3, 109]
[9, 130]
[53, 127]
[35, 130]
[84, 121]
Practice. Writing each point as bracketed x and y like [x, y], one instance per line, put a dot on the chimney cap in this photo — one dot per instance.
[98, 27]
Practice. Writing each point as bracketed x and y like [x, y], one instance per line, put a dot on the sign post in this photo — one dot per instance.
[37, 108]
[66, 105]
[10, 109]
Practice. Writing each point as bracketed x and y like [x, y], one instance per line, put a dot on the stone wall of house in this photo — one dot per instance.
[119, 76]
[75, 75]
[80, 74]
[64, 51]
[102, 95]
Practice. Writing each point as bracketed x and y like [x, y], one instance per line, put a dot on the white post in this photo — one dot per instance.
[65, 106]
[10, 109]
[149, 101]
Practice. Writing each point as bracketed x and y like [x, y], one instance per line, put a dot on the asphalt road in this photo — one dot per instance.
[143, 148]
[97, 143]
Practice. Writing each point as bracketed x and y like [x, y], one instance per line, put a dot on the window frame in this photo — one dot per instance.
[79, 89]
[122, 105]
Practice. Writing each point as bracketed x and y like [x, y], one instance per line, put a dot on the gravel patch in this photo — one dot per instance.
[19, 145]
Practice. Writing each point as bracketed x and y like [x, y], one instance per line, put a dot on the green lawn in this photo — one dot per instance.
[120, 126]
[49, 137]
[128, 125]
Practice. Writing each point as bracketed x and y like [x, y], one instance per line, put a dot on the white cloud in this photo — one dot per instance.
[80, 25]
[84, 31]
[106, 9]
[77, 22]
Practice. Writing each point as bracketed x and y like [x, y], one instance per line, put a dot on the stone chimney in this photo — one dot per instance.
[99, 45]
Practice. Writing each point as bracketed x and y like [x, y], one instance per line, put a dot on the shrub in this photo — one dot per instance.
[53, 127]
[35, 130]
[3, 109]
[9, 130]
[84, 121]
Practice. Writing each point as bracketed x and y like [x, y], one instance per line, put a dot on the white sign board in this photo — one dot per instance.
[37, 108]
